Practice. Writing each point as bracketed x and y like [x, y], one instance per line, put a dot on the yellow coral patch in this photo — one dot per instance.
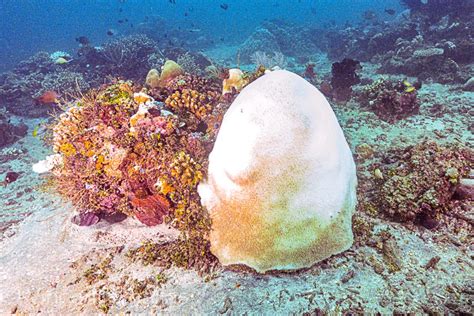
[67, 149]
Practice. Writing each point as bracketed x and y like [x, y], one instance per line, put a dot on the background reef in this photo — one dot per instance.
[399, 76]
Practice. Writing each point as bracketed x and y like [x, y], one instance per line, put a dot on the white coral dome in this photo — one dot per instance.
[281, 186]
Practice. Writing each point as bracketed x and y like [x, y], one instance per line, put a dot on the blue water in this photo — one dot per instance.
[30, 26]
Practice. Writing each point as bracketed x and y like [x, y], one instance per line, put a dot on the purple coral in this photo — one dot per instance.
[344, 76]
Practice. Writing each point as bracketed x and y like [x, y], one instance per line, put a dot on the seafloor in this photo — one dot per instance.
[45, 259]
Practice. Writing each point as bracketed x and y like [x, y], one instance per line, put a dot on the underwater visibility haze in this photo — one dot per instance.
[283, 157]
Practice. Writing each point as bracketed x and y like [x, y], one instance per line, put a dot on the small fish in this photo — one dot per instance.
[390, 11]
[83, 40]
[224, 6]
[122, 21]
[111, 32]
[172, 1]
[10, 177]
[369, 15]
[61, 61]
[194, 30]
[131, 25]
[408, 86]
[48, 97]
[406, 83]
[35, 130]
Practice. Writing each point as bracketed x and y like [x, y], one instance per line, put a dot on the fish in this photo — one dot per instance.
[35, 130]
[224, 6]
[48, 97]
[172, 1]
[122, 21]
[85, 219]
[390, 11]
[83, 40]
[194, 30]
[111, 32]
[10, 177]
[61, 61]
[408, 86]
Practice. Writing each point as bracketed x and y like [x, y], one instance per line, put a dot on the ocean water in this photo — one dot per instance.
[54, 25]
[345, 188]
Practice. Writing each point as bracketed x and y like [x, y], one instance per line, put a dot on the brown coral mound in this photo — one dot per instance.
[419, 181]
[391, 101]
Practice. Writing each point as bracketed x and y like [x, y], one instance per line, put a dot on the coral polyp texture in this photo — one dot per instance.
[281, 183]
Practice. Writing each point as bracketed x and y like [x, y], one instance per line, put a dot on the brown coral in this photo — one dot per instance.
[151, 209]
[419, 183]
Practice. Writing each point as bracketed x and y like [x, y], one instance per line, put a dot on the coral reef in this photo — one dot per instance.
[121, 152]
[418, 183]
[430, 43]
[437, 8]
[389, 100]
[127, 57]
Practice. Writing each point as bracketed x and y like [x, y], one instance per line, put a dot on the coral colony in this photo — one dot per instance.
[141, 151]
